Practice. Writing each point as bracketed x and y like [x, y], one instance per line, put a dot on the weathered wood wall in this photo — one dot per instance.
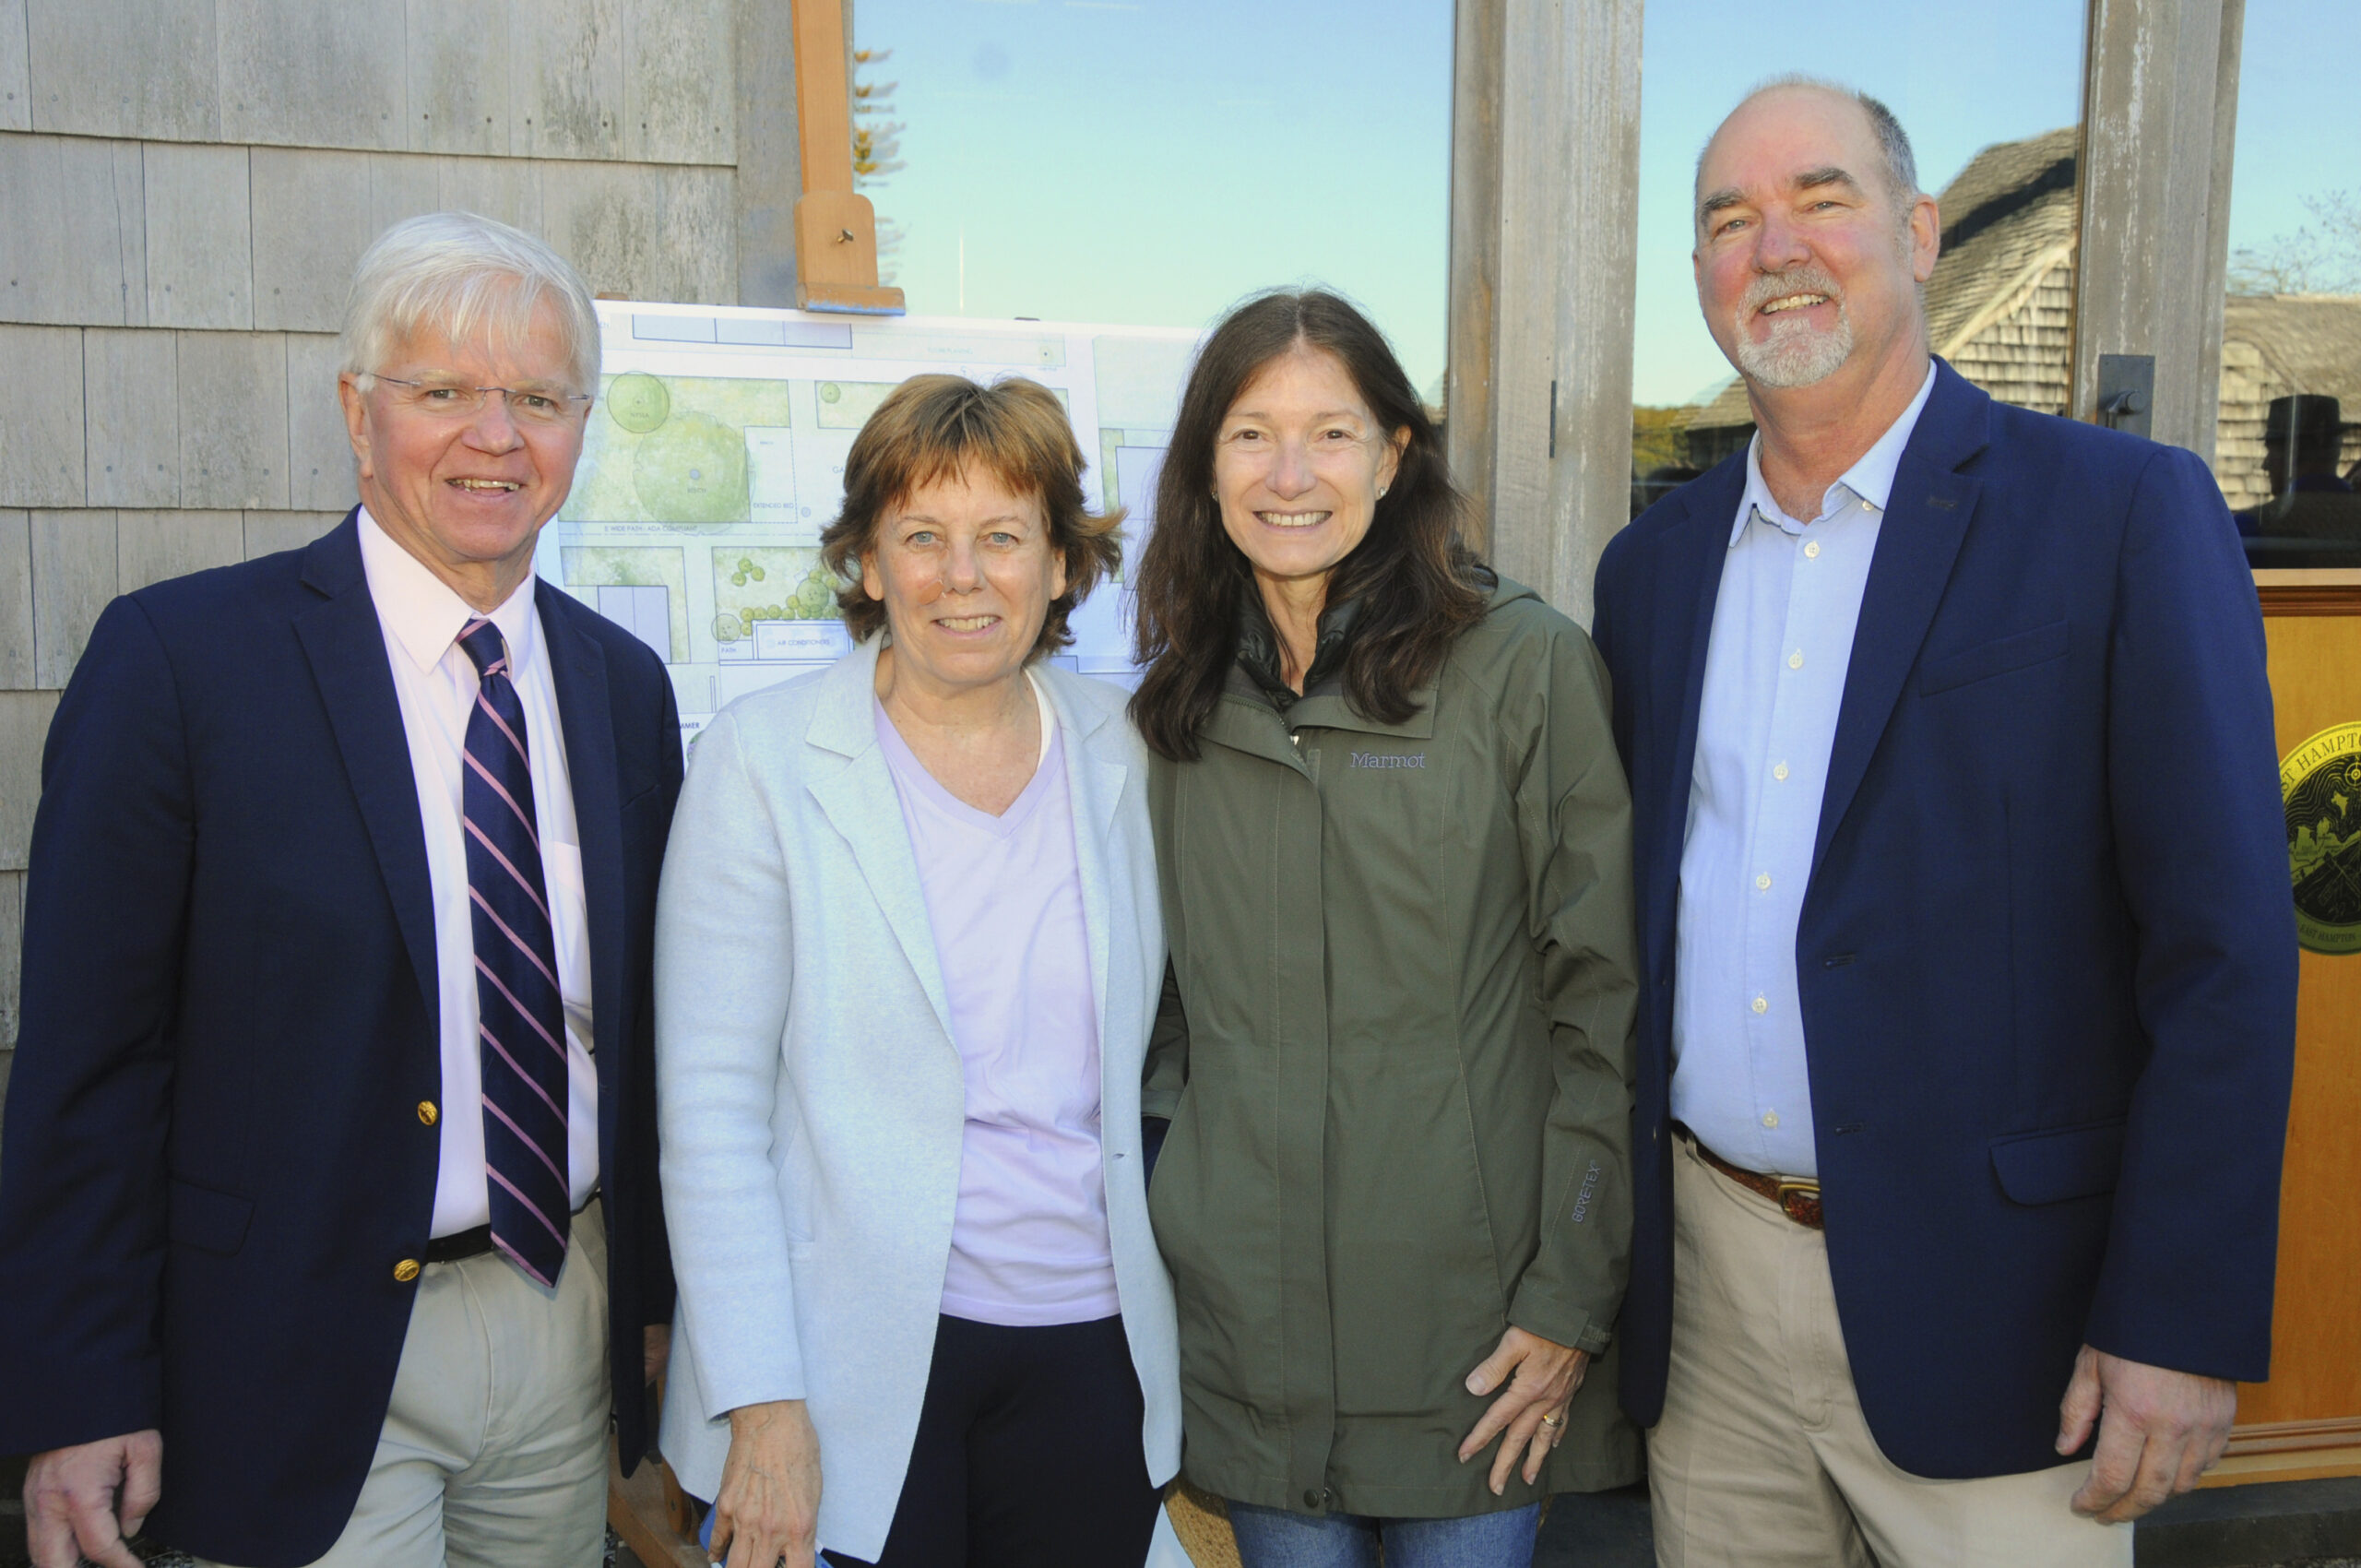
[184, 187]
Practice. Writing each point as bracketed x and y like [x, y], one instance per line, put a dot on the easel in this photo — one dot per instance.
[836, 229]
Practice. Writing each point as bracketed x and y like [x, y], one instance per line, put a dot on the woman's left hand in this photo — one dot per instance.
[656, 1350]
[1541, 1379]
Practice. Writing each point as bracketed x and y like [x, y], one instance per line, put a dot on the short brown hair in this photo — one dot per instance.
[933, 428]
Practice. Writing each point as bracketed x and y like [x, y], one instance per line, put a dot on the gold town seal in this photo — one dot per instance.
[2320, 782]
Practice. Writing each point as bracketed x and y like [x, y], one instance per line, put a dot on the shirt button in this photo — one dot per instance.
[1780, 773]
[1770, 1118]
[1763, 882]
[1796, 659]
[406, 1270]
[1311, 1497]
[1812, 550]
[427, 1113]
[1762, 1005]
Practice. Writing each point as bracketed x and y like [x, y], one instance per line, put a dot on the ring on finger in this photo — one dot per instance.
[1553, 1420]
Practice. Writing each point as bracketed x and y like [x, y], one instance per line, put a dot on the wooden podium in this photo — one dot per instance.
[2306, 1420]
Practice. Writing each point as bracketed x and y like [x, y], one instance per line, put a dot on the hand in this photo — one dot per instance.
[81, 1502]
[1543, 1384]
[768, 1508]
[2158, 1431]
[655, 1346]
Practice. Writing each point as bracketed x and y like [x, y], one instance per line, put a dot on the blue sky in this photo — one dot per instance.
[2299, 116]
[1152, 161]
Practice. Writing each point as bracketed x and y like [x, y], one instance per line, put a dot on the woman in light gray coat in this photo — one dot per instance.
[908, 948]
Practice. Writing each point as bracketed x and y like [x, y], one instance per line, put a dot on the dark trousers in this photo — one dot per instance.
[1028, 1453]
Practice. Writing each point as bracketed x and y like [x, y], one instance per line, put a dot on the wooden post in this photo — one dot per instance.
[770, 174]
[2160, 107]
[1544, 245]
[836, 229]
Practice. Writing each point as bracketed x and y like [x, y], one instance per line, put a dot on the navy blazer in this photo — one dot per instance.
[214, 1155]
[2048, 955]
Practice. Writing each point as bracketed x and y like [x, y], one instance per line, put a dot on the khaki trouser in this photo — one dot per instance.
[494, 1447]
[1762, 1457]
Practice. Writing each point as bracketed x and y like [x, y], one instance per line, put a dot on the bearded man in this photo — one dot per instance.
[1968, 1003]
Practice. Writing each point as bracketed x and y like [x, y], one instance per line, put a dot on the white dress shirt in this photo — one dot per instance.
[1774, 682]
[436, 684]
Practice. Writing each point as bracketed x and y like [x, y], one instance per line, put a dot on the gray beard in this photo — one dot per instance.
[1795, 354]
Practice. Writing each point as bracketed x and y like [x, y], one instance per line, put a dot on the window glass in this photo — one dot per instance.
[1992, 97]
[1150, 162]
[2287, 448]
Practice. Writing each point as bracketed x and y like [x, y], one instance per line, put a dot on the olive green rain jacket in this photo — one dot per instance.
[1397, 1050]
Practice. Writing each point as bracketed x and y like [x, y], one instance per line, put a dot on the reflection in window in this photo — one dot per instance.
[1150, 162]
[2287, 449]
[1989, 95]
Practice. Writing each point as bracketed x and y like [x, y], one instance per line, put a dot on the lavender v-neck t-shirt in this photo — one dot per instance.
[1003, 895]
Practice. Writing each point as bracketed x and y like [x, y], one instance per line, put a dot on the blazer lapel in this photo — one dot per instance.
[861, 802]
[1925, 518]
[1690, 585]
[1095, 780]
[346, 646]
[578, 673]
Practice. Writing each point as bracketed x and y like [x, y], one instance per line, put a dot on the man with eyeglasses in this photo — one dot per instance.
[329, 1209]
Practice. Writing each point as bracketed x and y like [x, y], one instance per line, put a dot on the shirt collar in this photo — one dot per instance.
[424, 613]
[1870, 479]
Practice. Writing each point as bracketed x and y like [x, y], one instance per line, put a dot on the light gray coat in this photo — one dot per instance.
[811, 1100]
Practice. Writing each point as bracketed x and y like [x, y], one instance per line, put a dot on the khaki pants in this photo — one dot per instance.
[494, 1447]
[1763, 1458]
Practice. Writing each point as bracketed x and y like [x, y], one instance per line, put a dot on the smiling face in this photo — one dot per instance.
[967, 572]
[466, 495]
[1808, 262]
[1298, 465]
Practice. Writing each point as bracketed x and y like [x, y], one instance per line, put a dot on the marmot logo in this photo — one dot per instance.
[1389, 759]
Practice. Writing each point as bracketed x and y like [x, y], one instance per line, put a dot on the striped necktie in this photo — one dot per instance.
[521, 1020]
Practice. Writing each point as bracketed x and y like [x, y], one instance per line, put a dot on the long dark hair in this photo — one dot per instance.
[1419, 583]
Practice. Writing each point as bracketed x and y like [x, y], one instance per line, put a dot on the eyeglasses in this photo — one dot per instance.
[449, 401]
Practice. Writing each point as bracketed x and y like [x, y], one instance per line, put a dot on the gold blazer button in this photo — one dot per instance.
[406, 1270]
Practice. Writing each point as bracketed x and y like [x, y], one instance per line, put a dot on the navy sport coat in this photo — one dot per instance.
[2048, 955]
[214, 1156]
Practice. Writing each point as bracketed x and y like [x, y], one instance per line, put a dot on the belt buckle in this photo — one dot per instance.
[1795, 1198]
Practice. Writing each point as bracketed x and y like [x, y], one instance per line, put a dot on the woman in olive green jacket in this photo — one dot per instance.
[1396, 1044]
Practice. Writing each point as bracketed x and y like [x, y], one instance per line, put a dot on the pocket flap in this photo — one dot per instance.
[1998, 657]
[210, 1221]
[2060, 1163]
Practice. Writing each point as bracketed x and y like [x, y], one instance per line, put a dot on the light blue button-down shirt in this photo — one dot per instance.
[1774, 677]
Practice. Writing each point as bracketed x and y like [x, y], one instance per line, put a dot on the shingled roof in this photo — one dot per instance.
[2272, 345]
[2310, 342]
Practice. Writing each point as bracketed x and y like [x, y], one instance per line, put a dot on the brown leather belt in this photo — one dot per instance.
[1797, 1199]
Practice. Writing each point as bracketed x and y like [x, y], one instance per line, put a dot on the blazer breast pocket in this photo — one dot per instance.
[207, 1220]
[2001, 656]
